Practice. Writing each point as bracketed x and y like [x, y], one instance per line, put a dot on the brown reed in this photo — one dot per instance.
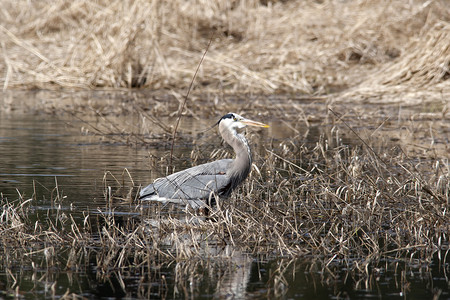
[372, 47]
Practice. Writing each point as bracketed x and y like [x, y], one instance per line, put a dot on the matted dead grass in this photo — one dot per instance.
[419, 75]
[373, 47]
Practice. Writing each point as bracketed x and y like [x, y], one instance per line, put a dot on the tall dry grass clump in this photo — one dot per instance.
[258, 46]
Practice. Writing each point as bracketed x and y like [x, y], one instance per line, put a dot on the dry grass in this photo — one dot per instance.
[372, 47]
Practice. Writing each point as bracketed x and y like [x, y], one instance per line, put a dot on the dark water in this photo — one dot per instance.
[38, 153]
[44, 152]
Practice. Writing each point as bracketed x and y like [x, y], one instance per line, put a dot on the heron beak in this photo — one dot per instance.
[253, 123]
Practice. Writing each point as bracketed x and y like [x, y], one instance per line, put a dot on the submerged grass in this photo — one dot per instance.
[339, 204]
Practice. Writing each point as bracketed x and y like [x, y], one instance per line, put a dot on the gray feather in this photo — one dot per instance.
[194, 183]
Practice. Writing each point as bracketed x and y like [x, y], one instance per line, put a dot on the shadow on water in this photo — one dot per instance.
[67, 174]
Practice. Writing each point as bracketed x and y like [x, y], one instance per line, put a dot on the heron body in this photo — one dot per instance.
[207, 181]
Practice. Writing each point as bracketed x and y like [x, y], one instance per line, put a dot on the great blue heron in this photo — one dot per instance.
[218, 178]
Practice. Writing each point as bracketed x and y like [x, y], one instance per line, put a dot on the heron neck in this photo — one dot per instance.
[242, 164]
[241, 148]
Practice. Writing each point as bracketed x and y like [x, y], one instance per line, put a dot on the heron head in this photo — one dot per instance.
[234, 121]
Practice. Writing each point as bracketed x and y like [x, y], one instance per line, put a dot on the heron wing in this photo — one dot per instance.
[194, 183]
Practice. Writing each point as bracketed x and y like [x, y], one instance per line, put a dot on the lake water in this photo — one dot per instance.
[38, 152]
[42, 150]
